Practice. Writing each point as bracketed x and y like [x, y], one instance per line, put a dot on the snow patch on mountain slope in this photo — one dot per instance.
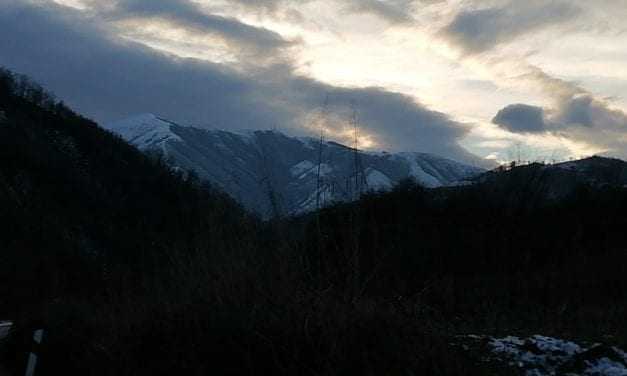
[377, 180]
[309, 142]
[325, 170]
[301, 167]
[246, 135]
[305, 168]
[325, 197]
[417, 172]
[144, 131]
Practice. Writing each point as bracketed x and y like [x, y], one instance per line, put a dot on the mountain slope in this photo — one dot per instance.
[73, 195]
[271, 173]
[557, 181]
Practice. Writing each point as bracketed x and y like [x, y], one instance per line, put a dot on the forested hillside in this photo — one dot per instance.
[88, 220]
[481, 254]
[72, 193]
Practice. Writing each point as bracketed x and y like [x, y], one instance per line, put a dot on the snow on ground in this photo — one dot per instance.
[546, 356]
[537, 353]
[605, 366]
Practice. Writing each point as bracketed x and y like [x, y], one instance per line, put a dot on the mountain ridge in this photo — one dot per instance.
[273, 173]
[546, 183]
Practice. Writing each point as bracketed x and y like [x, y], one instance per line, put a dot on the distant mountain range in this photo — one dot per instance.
[271, 173]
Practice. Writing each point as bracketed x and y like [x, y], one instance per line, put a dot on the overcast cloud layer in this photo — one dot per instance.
[479, 30]
[423, 75]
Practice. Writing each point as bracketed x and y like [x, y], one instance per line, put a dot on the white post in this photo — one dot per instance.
[32, 358]
[5, 329]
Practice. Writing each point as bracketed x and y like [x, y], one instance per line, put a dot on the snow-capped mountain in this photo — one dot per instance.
[271, 173]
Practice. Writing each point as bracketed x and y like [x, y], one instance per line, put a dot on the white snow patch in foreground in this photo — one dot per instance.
[544, 356]
[606, 367]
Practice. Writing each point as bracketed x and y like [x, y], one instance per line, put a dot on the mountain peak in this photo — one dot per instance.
[270, 172]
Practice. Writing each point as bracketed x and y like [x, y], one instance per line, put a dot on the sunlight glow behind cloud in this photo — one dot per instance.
[469, 59]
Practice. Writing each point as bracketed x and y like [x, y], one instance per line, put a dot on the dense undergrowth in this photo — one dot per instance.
[135, 269]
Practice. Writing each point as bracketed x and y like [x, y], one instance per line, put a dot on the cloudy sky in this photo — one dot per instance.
[461, 78]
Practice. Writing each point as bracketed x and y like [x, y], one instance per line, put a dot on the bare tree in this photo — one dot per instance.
[322, 123]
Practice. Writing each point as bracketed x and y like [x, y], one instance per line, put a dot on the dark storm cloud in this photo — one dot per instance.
[581, 118]
[578, 111]
[188, 15]
[578, 115]
[585, 110]
[479, 30]
[593, 121]
[402, 122]
[107, 79]
[521, 118]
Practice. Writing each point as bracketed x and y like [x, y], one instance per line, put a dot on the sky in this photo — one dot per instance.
[479, 81]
